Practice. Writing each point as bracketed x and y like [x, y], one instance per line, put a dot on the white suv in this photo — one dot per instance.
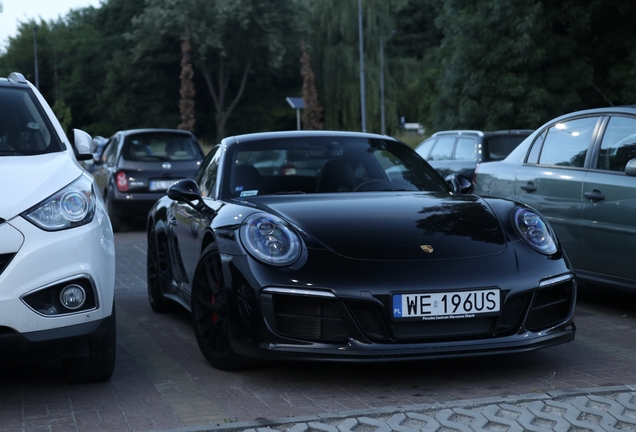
[57, 252]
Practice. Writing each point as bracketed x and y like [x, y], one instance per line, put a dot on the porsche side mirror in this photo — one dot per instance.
[187, 190]
[460, 184]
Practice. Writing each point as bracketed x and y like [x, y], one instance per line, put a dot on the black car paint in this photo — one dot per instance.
[365, 277]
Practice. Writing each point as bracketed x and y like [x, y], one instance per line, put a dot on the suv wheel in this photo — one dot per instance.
[115, 219]
[99, 364]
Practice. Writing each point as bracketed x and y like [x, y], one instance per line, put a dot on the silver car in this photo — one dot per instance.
[579, 171]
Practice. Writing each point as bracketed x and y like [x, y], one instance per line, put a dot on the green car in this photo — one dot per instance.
[579, 171]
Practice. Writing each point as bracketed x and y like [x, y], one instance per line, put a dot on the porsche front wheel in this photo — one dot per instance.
[210, 312]
[157, 271]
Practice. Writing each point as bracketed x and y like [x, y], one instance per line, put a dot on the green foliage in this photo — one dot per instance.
[63, 114]
[335, 44]
[229, 38]
[481, 64]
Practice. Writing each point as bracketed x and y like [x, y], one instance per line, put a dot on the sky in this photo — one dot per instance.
[14, 11]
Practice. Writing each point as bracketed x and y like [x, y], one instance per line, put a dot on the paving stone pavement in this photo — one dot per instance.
[596, 409]
[163, 383]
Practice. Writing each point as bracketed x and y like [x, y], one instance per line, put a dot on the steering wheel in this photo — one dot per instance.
[374, 184]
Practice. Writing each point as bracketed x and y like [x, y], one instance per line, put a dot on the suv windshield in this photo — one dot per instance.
[23, 128]
[326, 164]
[161, 146]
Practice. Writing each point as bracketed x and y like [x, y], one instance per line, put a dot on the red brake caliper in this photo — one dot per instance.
[215, 316]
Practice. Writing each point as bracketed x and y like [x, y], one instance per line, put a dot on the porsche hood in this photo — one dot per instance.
[379, 226]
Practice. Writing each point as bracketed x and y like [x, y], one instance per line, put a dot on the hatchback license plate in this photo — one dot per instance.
[161, 185]
[443, 305]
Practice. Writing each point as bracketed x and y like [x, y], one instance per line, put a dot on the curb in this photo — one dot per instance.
[258, 425]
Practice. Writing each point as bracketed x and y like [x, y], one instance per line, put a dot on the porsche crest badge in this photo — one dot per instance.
[427, 248]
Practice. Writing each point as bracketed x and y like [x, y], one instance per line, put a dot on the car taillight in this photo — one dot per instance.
[475, 174]
[122, 181]
[288, 169]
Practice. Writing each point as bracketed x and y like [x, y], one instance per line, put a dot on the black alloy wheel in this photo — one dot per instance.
[210, 312]
[157, 273]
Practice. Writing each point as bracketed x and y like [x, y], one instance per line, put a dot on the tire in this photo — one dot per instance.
[210, 312]
[115, 219]
[157, 274]
[99, 365]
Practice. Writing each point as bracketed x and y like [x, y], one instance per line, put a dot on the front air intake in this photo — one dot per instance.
[5, 259]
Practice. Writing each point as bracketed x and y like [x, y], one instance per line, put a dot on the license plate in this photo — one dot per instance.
[160, 185]
[446, 305]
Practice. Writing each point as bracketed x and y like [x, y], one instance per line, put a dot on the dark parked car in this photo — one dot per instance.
[579, 171]
[138, 166]
[370, 257]
[459, 151]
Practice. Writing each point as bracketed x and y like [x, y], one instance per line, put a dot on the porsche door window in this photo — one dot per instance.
[207, 174]
[619, 144]
[567, 143]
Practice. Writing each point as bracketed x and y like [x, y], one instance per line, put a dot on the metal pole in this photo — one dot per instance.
[35, 55]
[298, 118]
[382, 119]
[362, 101]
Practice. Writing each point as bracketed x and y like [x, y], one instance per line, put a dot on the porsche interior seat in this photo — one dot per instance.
[336, 176]
[245, 178]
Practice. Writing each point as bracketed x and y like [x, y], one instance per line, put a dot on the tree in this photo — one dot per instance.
[312, 114]
[186, 104]
[228, 37]
[63, 114]
[505, 64]
[335, 43]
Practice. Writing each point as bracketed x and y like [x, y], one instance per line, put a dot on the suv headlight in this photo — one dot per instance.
[71, 207]
[534, 230]
[270, 240]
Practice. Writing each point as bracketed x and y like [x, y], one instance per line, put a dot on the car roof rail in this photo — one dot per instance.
[17, 77]
[459, 132]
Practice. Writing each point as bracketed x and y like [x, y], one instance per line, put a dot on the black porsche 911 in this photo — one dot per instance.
[316, 245]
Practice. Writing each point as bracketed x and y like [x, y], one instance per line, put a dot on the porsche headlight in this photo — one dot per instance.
[270, 240]
[533, 229]
[70, 207]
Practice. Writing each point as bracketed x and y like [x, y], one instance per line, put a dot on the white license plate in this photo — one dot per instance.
[160, 185]
[435, 306]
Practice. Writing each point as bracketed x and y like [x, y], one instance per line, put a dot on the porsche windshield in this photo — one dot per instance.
[23, 128]
[323, 164]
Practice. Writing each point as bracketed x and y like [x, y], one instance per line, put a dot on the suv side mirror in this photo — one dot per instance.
[460, 184]
[82, 145]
